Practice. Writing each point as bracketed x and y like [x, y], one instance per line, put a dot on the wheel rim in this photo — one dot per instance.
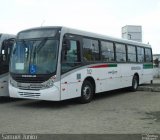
[87, 92]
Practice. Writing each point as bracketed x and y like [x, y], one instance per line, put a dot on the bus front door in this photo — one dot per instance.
[70, 76]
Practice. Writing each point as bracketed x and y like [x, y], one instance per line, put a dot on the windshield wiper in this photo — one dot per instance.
[38, 48]
[42, 43]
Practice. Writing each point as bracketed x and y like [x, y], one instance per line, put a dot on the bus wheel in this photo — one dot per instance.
[134, 83]
[86, 92]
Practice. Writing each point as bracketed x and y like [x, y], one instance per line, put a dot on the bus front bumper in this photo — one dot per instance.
[50, 94]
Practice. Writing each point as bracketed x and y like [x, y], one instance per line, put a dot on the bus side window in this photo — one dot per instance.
[4, 61]
[131, 52]
[5, 55]
[140, 54]
[148, 55]
[120, 53]
[4, 52]
[70, 55]
[91, 51]
[107, 51]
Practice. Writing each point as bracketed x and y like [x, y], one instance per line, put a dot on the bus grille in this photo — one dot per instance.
[29, 80]
[31, 87]
[38, 79]
[29, 94]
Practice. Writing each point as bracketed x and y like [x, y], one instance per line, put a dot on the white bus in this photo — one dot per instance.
[6, 43]
[59, 63]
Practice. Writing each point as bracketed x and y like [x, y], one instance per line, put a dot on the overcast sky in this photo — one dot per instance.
[99, 16]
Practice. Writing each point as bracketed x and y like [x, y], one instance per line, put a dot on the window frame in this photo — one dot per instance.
[150, 55]
[76, 38]
[107, 41]
[81, 37]
[138, 54]
[128, 45]
[120, 52]
[99, 47]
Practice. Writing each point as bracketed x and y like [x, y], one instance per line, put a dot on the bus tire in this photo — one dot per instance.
[87, 92]
[135, 83]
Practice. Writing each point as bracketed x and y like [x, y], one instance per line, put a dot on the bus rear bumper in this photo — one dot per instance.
[51, 94]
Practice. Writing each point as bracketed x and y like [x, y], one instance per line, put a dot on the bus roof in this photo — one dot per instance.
[90, 34]
[105, 37]
[4, 36]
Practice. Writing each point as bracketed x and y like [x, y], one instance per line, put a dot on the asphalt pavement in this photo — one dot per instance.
[115, 112]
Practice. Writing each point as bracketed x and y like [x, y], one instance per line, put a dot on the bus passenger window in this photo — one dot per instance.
[91, 50]
[131, 53]
[148, 55]
[71, 57]
[140, 54]
[120, 53]
[107, 50]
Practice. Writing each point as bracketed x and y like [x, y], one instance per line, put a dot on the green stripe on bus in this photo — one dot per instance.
[112, 65]
[147, 66]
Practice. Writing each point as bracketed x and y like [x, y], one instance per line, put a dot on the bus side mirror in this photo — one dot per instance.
[66, 45]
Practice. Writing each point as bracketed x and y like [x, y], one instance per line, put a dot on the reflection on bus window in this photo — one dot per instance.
[140, 54]
[91, 50]
[107, 49]
[120, 53]
[131, 53]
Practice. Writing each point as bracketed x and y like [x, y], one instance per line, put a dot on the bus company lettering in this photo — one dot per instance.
[89, 71]
[136, 68]
[28, 76]
[112, 72]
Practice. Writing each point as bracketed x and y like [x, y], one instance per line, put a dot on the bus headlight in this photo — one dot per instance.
[12, 82]
[50, 82]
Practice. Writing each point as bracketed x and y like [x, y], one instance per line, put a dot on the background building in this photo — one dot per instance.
[156, 63]
[132, 32]
[156, 60]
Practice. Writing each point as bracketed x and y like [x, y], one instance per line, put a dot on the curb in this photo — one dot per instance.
[150, 88]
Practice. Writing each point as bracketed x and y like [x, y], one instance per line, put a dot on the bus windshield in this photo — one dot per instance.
[37, 56]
